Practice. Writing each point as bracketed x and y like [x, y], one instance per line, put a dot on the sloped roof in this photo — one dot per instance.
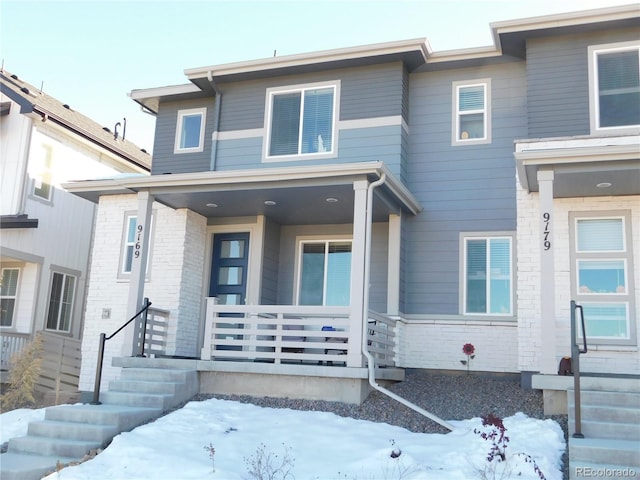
[33, 101]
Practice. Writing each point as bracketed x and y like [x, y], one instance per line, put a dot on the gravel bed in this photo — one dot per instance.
[449, 396]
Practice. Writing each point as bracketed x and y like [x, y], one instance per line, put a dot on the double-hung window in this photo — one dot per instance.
[301, 120]
[614, 81]
[472, 112]
[8, 295]
[190, 130]
[602, 276]
[61, 302]
[324, 273]
[487, 278]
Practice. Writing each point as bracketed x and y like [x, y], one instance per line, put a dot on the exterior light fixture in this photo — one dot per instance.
[331, 200]
[603, 185]
[212, 205]
[269, 202]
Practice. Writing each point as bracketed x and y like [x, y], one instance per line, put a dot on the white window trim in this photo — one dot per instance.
[73, 301]
[125, 276]
[14, 297]
[464, 236]
[48, 153]
[300, 241]
[181, 114]
[594, 103]
[270, 92]
[584, 298]
[455, 124]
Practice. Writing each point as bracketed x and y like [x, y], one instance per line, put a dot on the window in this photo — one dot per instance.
[131, 244]
[488, 275]
[42, 180]
[324, 273]
[601, 279]
[61, 302]
[301, 120]
[8, 292]
[471, 106]
[614, 80]
[190, 130]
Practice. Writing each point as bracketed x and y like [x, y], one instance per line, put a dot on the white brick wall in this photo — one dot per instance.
[599, 359]
[174, 281]
[437, 344]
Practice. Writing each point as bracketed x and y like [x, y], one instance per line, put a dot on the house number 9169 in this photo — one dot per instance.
[546, 217]
[138, 246]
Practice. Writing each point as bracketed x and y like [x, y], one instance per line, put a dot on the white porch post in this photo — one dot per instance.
[138, 269]
[358, 250]
[547, 364]
[393, 265]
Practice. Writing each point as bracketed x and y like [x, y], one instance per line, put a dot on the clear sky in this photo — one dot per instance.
[91, 54]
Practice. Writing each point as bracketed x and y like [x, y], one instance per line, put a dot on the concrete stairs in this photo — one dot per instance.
[611, 427]
[69, 432]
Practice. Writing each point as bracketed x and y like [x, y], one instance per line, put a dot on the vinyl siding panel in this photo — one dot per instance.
[558, 82]
[467, 188]
[270, 261]
[164, 160]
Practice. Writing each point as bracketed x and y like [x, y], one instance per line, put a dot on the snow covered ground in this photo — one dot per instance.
[308, 446]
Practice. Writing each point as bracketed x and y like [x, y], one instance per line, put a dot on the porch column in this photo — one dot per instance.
[354, 354]
[547, 363]
[138, 270]
[393, 265]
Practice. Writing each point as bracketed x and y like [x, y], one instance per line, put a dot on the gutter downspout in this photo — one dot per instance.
[214, 139]
[365, 314]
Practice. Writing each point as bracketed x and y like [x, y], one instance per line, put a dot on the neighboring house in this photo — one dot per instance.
[412, 201]
[46, 233]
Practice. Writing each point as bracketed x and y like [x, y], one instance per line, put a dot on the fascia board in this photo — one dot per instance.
[309, 58]
[142, 93]
[577, 155]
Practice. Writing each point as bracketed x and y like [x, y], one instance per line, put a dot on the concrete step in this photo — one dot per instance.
[156, 374]
[62, 447]
[615, 399]
[600, 451]
[130, 399]
[582, 470]
[596, 429]
[124, 417]
[20, 466]
[72, 430]
[143, 386]
[607, 413]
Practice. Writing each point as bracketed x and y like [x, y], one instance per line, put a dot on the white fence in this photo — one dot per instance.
[10, 344]
[157, 329]
[293, 334]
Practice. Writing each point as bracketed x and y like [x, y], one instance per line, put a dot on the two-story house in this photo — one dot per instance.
[313, 215]
[46, 233]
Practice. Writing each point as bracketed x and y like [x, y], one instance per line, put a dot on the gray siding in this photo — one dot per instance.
[164, 160]
[558, 79]
[270, 261]
[463, 188]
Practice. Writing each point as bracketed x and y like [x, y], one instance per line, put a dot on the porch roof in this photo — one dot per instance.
[290, 195]
[583, 166]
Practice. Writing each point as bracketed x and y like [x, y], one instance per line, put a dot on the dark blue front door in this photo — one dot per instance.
[229, 268]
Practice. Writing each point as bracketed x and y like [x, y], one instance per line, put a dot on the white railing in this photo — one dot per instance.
[280, 334]
[381, 336]
[157, 330]
[10, 344]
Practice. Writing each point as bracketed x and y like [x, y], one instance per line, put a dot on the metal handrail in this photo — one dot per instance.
[104, 338]
[575, 365]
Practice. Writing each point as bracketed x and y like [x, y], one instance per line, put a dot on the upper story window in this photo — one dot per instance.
[8, 295]
[42, 180]
[487, 278]
[190, 130]
[472, 112]
[301, 120]
[602, 278]
[614, 82]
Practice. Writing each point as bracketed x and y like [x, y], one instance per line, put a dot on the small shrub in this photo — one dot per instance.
[212, 452]
[267, 465]
[24, 373]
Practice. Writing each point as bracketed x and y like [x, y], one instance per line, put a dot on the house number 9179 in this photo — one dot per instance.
[138, 245]
[546, 217]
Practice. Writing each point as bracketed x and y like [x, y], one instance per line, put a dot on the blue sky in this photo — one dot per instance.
[91, 54]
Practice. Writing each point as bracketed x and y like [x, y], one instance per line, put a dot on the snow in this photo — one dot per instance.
[314, 445]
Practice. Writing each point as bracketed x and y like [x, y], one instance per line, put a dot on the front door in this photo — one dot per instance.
[228, 280]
